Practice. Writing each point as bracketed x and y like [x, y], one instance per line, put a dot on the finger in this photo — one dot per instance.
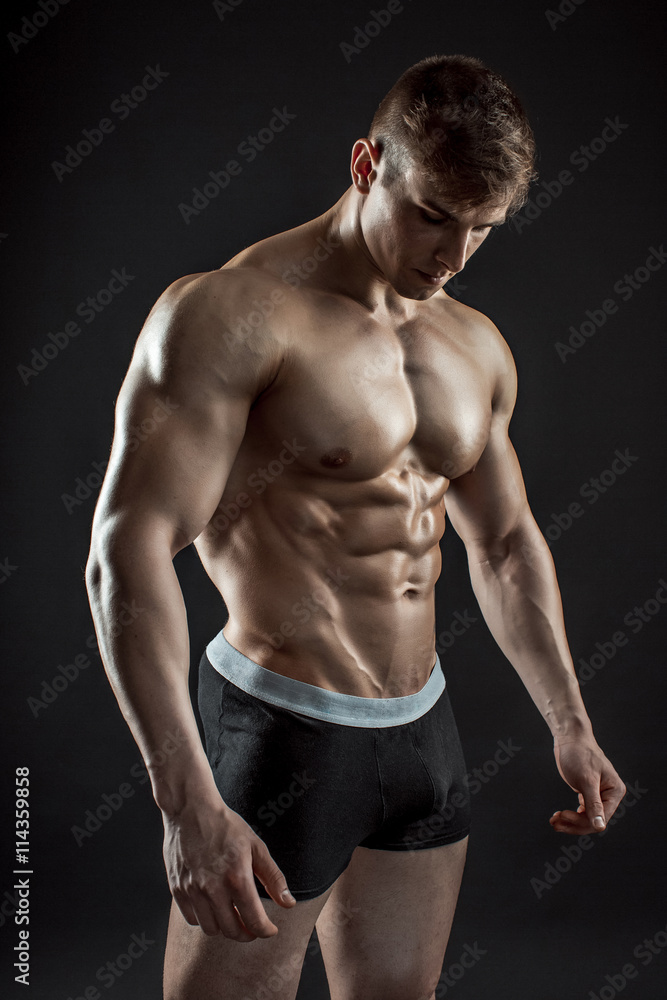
[233, 927]
[249, 911]
[219, 913]
[253, 917]
[270, 875]
[203, 912]
[566, 821]
[612, 793]
[184, 905]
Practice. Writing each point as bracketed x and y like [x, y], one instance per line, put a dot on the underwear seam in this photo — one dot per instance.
[219, 734]
[377, 767]
[428, 773]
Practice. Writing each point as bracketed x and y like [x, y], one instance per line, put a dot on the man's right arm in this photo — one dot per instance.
[180, 418]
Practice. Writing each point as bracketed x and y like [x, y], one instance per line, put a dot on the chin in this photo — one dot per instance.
[418, 294]
[412, 290]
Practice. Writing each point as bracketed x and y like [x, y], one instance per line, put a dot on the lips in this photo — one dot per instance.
[433, 278]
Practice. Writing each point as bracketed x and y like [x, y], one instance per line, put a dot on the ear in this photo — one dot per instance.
[364, 164]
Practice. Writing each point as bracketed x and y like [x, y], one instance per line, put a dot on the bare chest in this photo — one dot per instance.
[361, 400]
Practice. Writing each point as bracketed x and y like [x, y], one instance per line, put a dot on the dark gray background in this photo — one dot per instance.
[119, 209]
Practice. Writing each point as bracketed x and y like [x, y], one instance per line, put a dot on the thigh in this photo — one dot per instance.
[200, 967]
[384, 929]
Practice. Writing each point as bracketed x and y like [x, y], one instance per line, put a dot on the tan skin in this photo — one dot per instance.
[396, 400]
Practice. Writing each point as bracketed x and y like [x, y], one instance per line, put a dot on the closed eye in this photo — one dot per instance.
[436, 220]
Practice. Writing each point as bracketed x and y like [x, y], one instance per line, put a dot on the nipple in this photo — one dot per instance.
[336, 457]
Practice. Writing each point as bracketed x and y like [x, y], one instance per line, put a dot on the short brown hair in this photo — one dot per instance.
[462, 124]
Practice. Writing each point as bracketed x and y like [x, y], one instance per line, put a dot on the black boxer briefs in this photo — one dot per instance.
[313, 789]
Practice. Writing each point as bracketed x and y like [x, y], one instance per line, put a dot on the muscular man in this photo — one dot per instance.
[307, 412]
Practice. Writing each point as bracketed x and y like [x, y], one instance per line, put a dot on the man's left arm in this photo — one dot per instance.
[514, 579]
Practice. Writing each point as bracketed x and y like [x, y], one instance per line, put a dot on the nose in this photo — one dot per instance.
[453, 251]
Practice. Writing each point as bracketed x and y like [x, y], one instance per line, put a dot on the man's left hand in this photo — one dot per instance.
[587, 771]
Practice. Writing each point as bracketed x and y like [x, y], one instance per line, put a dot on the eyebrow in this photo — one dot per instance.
[445, 211]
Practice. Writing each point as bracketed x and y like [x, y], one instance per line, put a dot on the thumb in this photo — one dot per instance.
[270, 875]
[594, 808]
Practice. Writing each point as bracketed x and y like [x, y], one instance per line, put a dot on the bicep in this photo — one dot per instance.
[180, 418]
[487, 505]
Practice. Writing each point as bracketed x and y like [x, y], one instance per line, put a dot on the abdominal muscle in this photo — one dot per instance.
[332, 582]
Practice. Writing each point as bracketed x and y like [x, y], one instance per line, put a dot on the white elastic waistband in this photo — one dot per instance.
[320, 703]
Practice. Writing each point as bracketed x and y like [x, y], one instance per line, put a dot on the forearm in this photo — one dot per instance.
[141, 625]
[517, 590]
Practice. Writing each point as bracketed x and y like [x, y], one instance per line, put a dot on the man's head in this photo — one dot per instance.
[449, 155]
[462, 126]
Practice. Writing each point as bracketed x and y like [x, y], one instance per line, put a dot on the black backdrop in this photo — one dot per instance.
[572, 270]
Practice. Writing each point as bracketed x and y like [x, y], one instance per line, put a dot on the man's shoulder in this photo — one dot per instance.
[486, 345]
[222, 292]
[214, 321]
[478, 330]
[234, 300]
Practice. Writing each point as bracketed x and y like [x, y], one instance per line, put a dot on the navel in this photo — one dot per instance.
[336, 457]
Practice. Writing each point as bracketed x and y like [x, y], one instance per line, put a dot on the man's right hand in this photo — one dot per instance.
[210, 854]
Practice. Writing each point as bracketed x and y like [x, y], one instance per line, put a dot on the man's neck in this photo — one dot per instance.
[352, 266]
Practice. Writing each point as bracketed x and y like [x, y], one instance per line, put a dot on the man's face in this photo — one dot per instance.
[417, 237]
